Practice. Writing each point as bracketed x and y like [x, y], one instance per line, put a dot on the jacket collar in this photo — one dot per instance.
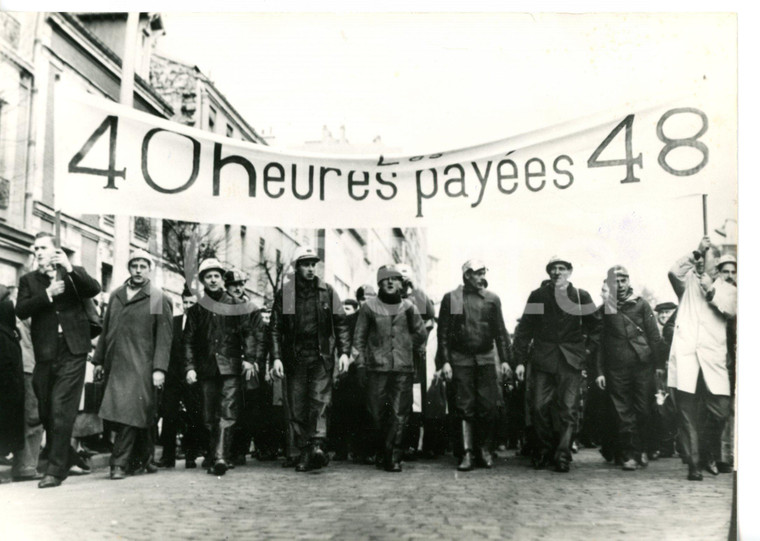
[121, 293]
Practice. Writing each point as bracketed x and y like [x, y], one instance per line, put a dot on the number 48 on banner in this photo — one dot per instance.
[670, 144]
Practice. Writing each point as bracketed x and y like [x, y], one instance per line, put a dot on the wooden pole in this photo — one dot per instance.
[704, 214]
[122, 233]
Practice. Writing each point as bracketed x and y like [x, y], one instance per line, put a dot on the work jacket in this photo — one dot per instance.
[217, 344]
[387, 335]
[332, 328]
[557, 331]
[630, 335]
[470, 321]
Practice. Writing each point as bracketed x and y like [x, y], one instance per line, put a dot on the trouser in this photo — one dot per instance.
[309, 384]
[600, 422]
[244, 430]
[132, 448]
[194, 437]
[291, 450]
[348, 415]
[25, 462]
[221, 407]
[389, 402]
[476, 400]
[631, 389]
[665, 421]
[58, 386]
[556, 394]
[266, 428]
[415, 422]
[727, 438]
[702, 417]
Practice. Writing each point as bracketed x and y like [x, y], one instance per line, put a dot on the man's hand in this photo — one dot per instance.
[277, 370]
[704, 244]
[56, 287]
[447, 372]
[158, 378]
[506, 371]
[520, 372]
[706, 282]
[343, 364]
[97, 372]
[249, 370]
[191, 377]
[601, 382]
[60, 258]
[268, 376]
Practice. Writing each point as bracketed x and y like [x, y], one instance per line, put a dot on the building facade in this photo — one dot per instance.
[41, 54]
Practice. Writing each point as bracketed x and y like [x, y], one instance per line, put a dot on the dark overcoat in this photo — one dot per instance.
[11, 383]
[134, 343]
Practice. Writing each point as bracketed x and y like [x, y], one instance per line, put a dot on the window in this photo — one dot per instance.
[230, 131]
[211, 118]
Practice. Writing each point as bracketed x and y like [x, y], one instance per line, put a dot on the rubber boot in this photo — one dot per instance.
[221, 450]
[467, 456]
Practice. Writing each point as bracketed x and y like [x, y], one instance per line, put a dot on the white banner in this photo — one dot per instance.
[112, 159]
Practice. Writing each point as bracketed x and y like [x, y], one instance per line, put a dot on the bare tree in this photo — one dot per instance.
[270, 274]
[181, 237]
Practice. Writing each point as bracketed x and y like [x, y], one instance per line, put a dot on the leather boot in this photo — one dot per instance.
[304, 460]
[485, 458]
[320, 458]
[221, 451]
[467, 457]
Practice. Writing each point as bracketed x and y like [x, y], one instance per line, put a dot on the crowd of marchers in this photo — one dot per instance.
[315, 377]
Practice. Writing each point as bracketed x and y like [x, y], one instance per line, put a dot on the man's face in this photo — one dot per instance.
[307, 269]
[189, 302]
[348, 309]
[212, 280]
[139, 271]
[43, 250]
[664, 315]
[391, 286]
[559, 274]
[728, 272]
[236, 289]
[623, 284]
[476, 278]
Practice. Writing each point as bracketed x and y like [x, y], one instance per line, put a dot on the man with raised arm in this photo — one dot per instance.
[698, 365]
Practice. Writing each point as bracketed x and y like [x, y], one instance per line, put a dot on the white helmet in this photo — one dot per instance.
[305, 253]
[211, 263]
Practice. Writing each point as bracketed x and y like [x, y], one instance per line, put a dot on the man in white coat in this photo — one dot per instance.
[697, 368]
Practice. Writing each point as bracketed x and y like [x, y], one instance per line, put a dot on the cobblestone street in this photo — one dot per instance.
[429, 500]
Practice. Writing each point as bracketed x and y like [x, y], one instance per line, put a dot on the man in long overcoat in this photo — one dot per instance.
[698, 365]
[134, 354]
[54, 296]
